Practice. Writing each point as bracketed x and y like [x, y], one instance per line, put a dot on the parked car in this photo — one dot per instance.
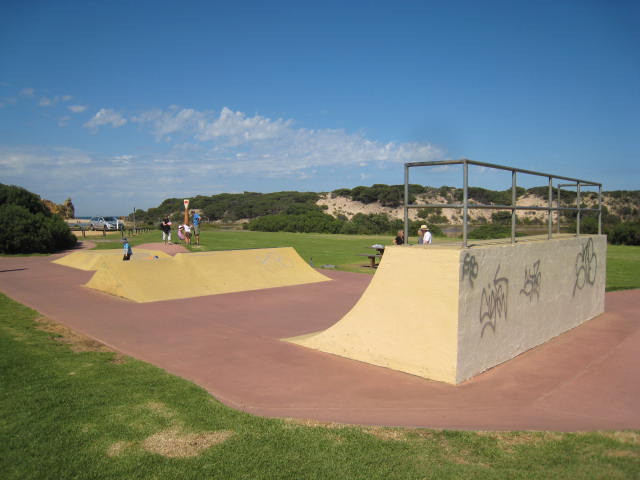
[105, 223]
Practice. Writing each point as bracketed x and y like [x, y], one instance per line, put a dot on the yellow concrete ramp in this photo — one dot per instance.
[406, 319]
[447, 313]
[93, 259]
[208, 273]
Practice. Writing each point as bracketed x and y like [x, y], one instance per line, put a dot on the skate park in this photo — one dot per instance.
[580, 376]
[269, 335]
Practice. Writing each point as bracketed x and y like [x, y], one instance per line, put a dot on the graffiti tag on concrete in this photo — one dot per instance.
[469, 268]
[586, 267]
[532, 281]
[493, 303]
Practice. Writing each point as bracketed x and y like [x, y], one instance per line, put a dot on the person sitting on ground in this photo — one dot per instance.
[127, 249]
[399, 240]
[166, 230]
[427, 237]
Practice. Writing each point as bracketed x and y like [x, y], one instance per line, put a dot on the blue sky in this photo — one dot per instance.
[122, 104]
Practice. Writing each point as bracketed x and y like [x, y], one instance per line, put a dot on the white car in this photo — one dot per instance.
[105, 223]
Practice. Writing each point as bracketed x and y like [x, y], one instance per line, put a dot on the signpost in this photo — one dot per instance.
[186, 211]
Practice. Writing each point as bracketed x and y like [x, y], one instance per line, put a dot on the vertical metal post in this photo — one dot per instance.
[513, 204]
[599, 209]
[465, 200]
[406, 203]
[549, 217]
[558, 205]
[134, 219]
[578, 206]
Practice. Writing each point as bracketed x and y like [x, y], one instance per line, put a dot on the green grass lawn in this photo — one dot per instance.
[623, 262]
[71, 409]
[623, 267]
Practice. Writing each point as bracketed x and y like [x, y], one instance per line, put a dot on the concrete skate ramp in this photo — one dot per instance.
[94, 259]
[406, 319]
[208, 273]
[447, 314]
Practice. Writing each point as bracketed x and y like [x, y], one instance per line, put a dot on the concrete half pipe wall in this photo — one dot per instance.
[196, 274]
[447, 314]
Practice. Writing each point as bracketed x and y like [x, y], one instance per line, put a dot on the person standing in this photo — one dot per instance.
[166, 230]
[399, 240]
[126, 249]
[421, 231]
[196, 226]
[427, 237]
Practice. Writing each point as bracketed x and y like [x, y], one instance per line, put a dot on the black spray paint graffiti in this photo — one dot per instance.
[532, 281]
[469, 268]
[493, 303]
[586, 267]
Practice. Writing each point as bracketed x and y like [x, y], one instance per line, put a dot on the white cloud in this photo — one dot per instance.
[50, 102]
[175, 120]
[229, 150]
[237, 128]
[106, 117]
[63, 121]
[77, 108]
[27, 92]
[44, 163]
[242, 144]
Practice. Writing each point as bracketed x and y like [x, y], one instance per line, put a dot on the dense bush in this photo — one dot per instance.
[28, 226]
[376, 223]
[229, 206]
[297, 220]
[502, 218]
[625, 233]
[387, 195]
[484, 232]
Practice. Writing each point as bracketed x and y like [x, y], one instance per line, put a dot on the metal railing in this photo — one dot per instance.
[513, 207]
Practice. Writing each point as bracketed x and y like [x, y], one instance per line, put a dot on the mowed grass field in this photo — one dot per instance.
[71, 409]
[344, 251]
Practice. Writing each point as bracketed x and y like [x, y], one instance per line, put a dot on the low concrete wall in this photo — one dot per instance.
[514, 297]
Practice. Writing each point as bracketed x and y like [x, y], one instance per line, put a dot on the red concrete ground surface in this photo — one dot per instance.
[585, 379]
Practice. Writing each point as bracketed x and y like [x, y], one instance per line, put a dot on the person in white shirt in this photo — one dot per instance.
[427, 238]
[184, 231]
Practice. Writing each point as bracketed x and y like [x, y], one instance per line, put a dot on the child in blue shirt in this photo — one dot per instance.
[127, 249]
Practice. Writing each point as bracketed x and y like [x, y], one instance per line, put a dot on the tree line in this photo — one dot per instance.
[293, 211]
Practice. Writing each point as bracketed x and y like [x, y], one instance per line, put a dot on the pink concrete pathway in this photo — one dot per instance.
[585, 379]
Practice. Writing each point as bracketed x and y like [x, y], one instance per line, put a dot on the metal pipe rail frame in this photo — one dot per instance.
[513, 207]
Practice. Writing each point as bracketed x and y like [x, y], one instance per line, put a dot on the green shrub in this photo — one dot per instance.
[502, 218]
[625, 233]
[484, 232]
[310, 222]
[28, 227]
